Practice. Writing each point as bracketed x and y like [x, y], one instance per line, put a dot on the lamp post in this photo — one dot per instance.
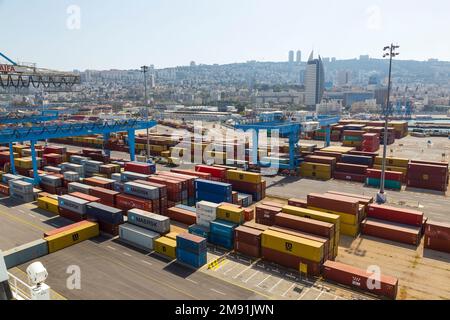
[389, 51]
[145, 70]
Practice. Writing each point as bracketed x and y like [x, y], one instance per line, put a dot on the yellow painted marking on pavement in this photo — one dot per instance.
[31, 224]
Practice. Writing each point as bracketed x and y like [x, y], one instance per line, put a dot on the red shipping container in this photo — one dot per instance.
[323, 229]
[360, 279]
[421, 184]
[216, 172]
[98, 183]
[349, 176]
[54, 150]
[63, 229]
[334, 203]
[438, 230]
[87, 152]
[433, 179]
[172, 185]
[248, 235]
[246, 187]
[143, 168]
[290, 261]
[84, 197]
[437, 244]
[266, 215]
[391, 231]
[70, 215]
[428, 169]
[162, 188]
[249, 214]
[249, 250]
[107, 197]
[127, 202]
[235, 197]
[390, 175]
[351, 168]
[320, 159]
[329, 154]
[298, 203]
[434, 163]
[53, 159]
[181, 215]
[111, 229]
[364, 200]
[399, 215]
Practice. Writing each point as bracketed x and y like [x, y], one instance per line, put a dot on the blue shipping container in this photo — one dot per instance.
[362, 160]
[212, 186]
[225, 242]
[188, 245]
[192, 259]
[213, 197]
[223, 228]
[200, 231]
[104, 213]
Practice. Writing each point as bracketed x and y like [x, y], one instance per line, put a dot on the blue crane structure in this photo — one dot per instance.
[38, 133]
[291, 130]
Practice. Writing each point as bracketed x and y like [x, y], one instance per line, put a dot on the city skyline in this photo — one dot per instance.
[213, 32]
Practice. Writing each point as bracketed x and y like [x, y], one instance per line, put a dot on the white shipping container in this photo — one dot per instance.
[20, 186]
[24, 197]
[137, 236]
[79, 187]
[71, 176]
[79, 159]
[149, 220]
[141, 190]
[51, 181]
[52, 169]
[73, 204]
[117, 177]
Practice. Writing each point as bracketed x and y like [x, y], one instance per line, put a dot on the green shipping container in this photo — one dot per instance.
[352, 138]
[389, 184]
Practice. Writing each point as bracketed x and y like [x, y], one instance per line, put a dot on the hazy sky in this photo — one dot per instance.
[127, 34]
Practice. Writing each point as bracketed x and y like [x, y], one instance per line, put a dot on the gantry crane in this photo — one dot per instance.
[16, 76]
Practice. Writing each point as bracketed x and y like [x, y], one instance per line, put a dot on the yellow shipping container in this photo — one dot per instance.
[172, 235]
[293, 245]
[317, 167]
[230, 213]
[320, 216]
[244, 176]
[351, 143]
[166, 246]
[315, 174]
[165, 154]
[345, 217]
[71, 237]
[48, 204]
[392, 168]
[18, 148]
[349, 230]
[394, 162]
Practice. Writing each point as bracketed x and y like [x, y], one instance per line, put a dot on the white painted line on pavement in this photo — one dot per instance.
[127, 254]
[320, 294]
[146, 262]
[276, 285]
[246, 269]
[251, 277]
[194, 282]
[287, 291]
[267, 278]
[109, 247]
[303, 293]
[219, 292]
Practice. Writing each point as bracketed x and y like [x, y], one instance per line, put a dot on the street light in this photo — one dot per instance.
[389, 51]
[145, 70]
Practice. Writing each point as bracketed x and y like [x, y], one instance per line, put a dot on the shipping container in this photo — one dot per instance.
[127, 202]
[191, 243]
[181, 215]
[349, 176]
[296, 246]
[68, 238]
[248, 177]
[141, 190]
[391, 231]
[216, 172]
[25, 253]
[48, 204]
[437, 244]
[73, 204]
[293, 262]
[104, 213]
[231, 214]
[149, 220]
[79, 187]
[107, 197]
[138, 237]
[316, 227]
[83, 196]
[400, 215]
[199, 230]
[334, 202]
[191, 259]
[253, 251]
[166, 247]
[248, 235]
[142, 168]
[437, 230]
[360, 279]
[72, 216]
[66, 228]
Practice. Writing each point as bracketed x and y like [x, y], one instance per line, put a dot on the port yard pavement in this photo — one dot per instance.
[110, 270]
